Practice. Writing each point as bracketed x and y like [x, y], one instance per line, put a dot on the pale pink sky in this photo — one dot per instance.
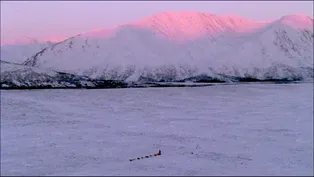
[42, 19]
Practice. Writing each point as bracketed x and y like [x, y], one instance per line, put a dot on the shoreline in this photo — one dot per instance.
[148, 85]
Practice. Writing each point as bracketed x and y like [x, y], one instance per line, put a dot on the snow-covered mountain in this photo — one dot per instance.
[187, 46]
[172, 46]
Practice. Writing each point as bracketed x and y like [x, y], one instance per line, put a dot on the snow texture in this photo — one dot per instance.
[18, 76]
[254, 129]
[173, 46]
[15, 75]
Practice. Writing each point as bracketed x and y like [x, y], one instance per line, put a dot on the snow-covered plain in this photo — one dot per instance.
[246, 129]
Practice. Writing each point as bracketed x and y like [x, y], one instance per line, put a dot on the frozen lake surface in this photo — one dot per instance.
[246, 129]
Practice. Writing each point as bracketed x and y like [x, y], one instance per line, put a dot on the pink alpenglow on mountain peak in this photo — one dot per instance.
[189, 25]
[100, 33]
[55, 39]
[298, 21]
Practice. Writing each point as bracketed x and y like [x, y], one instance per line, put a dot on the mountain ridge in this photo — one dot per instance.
[208, 46]
[193, 14]
[56, 39]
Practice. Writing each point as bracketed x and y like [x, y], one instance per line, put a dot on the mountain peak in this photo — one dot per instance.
[187, 25]
[297, 16]
[55, 39]
[297, 20]
[182, 25]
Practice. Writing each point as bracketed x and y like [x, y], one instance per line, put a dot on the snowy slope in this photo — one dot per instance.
[18, 53]
[173, 46]
[16, 75]
[19, 50]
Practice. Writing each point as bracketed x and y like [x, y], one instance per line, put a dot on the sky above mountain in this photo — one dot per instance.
[57, 20]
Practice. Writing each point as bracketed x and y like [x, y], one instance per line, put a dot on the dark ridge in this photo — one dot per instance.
[195, 79]
[70, 77]
[203, 79]
[117, 84]
[66, 80]
[160, 84]
[101, 84]
[210, 81]
[249, 79]
[33, 60]
[74, 85]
